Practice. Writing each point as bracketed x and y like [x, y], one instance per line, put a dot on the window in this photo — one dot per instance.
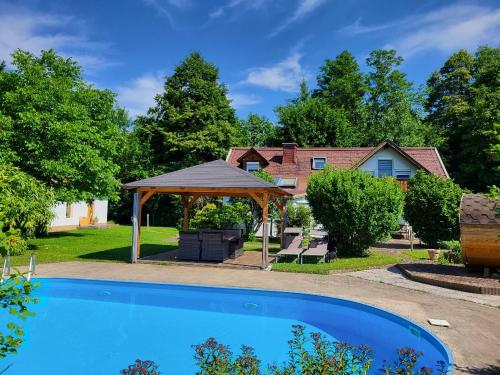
[403, 174]
[287, 182]
[384, 167]
[69, 208]
[253, 166]
[318, 163]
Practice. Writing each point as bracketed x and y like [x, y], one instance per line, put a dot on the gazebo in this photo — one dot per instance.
[215, 178]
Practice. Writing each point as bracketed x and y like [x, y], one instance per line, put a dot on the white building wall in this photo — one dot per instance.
[78, 209]
[398, 162]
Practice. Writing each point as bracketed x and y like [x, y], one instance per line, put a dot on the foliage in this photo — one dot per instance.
[308, 354]
[192, 121]
[12, 243]
[139, 367]
[356, 209]
[299, 215]
[455, 251]
[392, 105]
[258, 131]
[432, 207]
[224, 216]
[310, 121]
[15, 296]
[25, 203]
[463, 105]
[58, 128]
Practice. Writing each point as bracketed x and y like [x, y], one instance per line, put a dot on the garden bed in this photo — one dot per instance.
[451, 277]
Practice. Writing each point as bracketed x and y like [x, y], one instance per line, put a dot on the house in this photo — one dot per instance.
[79, 214]
[291, 165]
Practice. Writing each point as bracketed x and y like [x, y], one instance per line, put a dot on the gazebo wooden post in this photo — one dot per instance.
[135, 227]
[265, 230]
[187, 203]
[281, 204]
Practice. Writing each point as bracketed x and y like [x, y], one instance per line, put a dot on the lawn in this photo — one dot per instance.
[374, 259]
[111, 244]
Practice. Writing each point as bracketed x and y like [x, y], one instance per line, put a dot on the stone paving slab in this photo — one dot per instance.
[473, 335]
[393, 276]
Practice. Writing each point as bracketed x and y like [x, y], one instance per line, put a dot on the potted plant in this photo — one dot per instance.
[433, 254]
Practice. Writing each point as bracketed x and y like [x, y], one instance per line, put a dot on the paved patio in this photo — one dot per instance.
[473, 337]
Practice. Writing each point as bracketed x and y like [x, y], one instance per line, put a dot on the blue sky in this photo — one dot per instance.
[263, 48]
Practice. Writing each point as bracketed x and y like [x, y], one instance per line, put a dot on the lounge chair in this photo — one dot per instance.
[317, 249]
[294, 248]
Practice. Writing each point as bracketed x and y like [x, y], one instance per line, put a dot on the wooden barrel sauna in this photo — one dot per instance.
[480, 230]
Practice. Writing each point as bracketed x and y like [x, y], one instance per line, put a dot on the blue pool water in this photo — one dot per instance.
[99, 327]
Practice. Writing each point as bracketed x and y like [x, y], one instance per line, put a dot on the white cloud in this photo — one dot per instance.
[234, 4]
[283, 76]
[239, 100]
[304, 8]
[21, 28]
[446, 29]
[138, 96]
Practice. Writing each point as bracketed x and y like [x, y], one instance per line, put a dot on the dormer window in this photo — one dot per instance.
[403, 174]
[318, 163]
[253, 166]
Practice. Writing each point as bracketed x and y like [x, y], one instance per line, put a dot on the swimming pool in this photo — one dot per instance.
[100, 327]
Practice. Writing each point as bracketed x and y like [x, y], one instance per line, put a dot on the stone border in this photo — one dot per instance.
[449, 284]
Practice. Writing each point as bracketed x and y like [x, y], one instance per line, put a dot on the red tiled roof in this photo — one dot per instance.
[347, 157]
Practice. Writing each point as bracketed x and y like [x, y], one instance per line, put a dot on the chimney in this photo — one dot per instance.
[289, 153]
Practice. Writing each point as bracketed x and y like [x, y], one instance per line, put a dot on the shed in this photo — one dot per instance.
[480, 230]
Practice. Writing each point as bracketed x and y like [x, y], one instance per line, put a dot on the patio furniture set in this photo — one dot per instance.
[293, 247]
[212, 245]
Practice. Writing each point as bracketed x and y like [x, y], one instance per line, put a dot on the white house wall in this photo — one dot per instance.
[78, 209]
[398, 162]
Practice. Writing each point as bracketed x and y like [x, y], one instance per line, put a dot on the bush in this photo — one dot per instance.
[432, 207]
[223, 217]
[25, 208]
[455, 251]
[356, 209]
[299, 215]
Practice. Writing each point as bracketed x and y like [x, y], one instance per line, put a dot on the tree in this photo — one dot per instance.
[310, 121]
[58, 128]
[463, 104]
[192, 121]
[392, 105]
[432, 207]
[447, 103]
[356, 209]
[258, 131]
[342, 85]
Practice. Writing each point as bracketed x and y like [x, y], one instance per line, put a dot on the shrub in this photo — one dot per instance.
[308, 354]
[15, 297]
[299, 215]
[432, 207]
[25, 208]
[455, 254]
[356, 209]
[141, 368]
[222, 217]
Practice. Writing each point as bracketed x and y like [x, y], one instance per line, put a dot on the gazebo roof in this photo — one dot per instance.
[212, 176]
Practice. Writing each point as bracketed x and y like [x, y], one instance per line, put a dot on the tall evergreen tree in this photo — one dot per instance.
[192, 121]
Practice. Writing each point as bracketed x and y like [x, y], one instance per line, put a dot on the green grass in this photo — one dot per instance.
[342, 264]
[111, 244]
[274, 245]
[417, 254]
